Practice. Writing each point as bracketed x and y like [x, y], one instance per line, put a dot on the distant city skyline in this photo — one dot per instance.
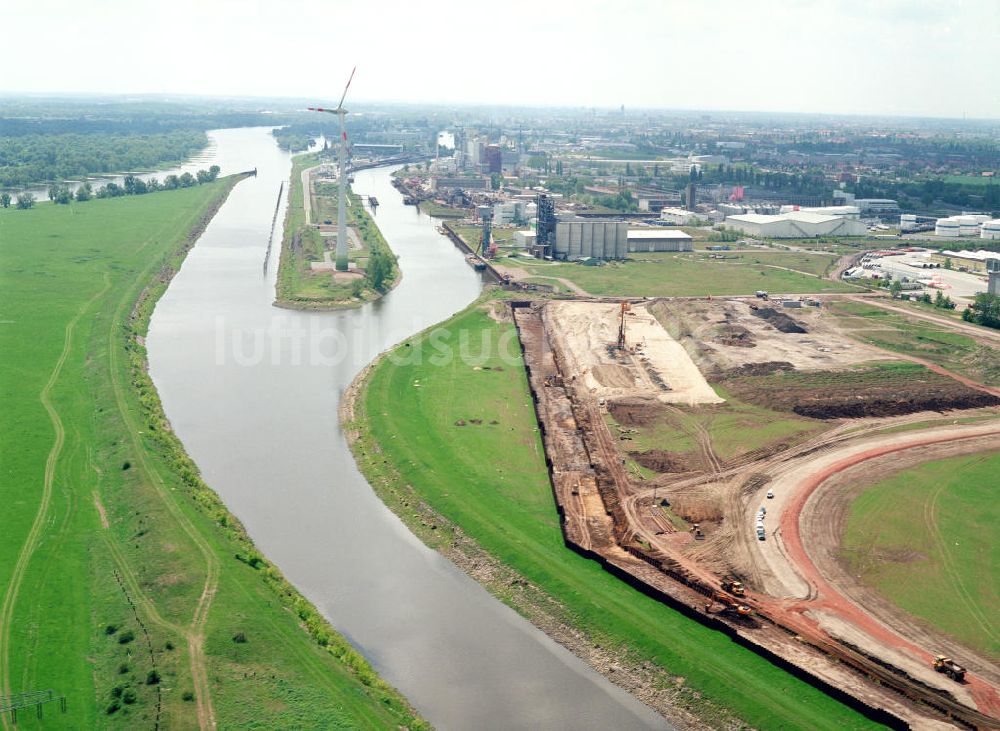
[881, 57]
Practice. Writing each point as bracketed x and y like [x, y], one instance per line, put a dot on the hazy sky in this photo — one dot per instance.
[907, 57]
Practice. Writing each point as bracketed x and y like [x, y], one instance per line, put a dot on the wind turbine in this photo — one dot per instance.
[342, 202]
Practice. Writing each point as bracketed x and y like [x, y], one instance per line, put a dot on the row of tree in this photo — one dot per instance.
[131, 185]
[32, 159]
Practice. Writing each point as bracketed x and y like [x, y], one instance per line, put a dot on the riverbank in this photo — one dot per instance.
[130, 588]
[454, 451]
[306, 279]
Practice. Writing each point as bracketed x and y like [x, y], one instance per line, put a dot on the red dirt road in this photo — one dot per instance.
[986, 696]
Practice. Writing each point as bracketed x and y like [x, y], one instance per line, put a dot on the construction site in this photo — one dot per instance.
[707, 451]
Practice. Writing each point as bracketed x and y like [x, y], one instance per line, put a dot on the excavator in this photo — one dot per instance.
[946, 665]
[733, 587]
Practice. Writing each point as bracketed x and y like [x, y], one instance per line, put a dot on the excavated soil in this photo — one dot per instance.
[659, 460]
[779, 320]
[858, 393]
[636, 412]
[736, 336]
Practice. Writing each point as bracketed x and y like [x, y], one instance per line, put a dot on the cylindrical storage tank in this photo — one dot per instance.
[967, 226]
[907, 222]
[947, 227]
[990, 229]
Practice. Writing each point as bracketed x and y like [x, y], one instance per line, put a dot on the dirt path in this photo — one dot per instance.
[518, 274]
[982, 335]
[33, 537]
[307, 193]
[195, 631]
[827, 595]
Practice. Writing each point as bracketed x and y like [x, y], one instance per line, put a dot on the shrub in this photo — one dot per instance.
[111, 629]
[125, 637]
[129, 697]
[113, 707]
[240, 638]
[187, 695]
[152, 677]
[123, 668]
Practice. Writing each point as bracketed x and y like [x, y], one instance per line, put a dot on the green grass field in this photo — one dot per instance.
[926, 539]
[489, 478]
[921, 338]
[103, 510]
[685, 275]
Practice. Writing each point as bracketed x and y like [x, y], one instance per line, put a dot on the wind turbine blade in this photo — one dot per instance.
[344, 96]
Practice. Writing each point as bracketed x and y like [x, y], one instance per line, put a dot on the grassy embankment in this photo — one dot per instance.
[300, 287]
[486, 481]
[926, 539]
[97, 487]
[919, 338]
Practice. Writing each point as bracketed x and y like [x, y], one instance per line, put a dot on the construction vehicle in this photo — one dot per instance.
[946, 665]
[626, 307]
[761, 294]
[733, 587]
[729, 605]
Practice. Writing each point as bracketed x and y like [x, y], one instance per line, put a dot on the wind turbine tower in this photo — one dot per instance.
[342, 159]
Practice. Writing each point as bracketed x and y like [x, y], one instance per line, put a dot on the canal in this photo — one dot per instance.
[253, 392]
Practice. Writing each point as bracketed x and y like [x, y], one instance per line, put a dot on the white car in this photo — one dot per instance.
[770, 494]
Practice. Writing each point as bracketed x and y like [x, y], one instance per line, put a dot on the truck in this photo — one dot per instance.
[951, 668]
[733, 587]
[761, 294]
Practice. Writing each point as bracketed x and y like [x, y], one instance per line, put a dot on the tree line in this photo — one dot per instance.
[30, 159]
[61, 194]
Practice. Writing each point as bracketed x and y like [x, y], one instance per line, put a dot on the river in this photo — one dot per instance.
[253, 391]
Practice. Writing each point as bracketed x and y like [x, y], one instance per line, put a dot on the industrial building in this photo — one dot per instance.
[525, 239]
[867, 206]
[442, 183]
[796, 225]
[596, 239]
[678, 216]
[648, 240]
[841, 211]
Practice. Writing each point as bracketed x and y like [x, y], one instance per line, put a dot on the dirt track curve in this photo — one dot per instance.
[829, 597]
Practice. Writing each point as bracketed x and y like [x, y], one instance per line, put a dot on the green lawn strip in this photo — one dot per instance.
[680, 275]
[490, 481]
[72, 618]
[925, 538]
[920, 338]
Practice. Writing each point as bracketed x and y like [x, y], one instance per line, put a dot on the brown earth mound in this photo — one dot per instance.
[659, 460]
[891, 390]
[828, 407]
[759, 369]
[779, 320]
[635, 412]
[736, 335]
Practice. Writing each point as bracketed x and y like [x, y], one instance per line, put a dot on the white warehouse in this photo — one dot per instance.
[796, 225]
[678, 216]
[647, 240]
